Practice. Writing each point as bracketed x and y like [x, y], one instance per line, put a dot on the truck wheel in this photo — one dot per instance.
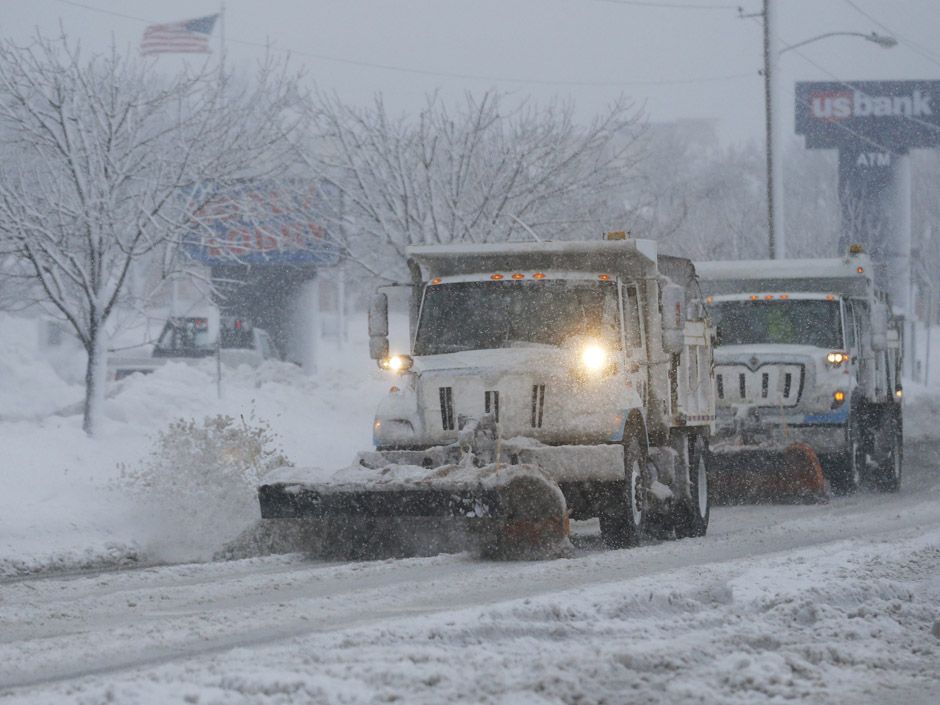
[888, 478]
[691, 518]
[622, 521]
[845, 474]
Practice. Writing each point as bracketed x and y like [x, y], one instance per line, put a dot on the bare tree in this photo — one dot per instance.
[479, 172]
[107, 162]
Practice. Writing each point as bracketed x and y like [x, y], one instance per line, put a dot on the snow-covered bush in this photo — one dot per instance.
[198, 486]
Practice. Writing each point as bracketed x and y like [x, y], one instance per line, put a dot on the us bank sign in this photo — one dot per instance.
[874, 125]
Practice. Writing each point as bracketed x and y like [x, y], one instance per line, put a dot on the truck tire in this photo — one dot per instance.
[845, 469]
[888, 475]
[691, 516]
[623, 519]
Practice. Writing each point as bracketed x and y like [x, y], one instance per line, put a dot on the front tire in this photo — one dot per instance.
[888, 477]
[845, 476]
[623, 520]
[693, 514]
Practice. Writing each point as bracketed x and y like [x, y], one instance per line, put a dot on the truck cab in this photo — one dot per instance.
[805, 352]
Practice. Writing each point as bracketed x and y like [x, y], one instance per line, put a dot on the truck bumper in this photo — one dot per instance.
[825, 433]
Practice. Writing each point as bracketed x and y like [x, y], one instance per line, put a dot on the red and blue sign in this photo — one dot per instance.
[266, 225]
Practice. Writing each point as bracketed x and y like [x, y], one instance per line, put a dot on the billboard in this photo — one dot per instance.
[267, 225]
[889, 115]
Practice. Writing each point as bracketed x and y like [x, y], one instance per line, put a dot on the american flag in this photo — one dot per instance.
[186, 37]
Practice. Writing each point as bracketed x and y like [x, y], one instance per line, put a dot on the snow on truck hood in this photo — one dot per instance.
[726, 353]
[514, 359]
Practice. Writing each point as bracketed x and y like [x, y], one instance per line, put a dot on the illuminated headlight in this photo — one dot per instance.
[397, 363]
[595, 358]
[838, 398]
[837, 357]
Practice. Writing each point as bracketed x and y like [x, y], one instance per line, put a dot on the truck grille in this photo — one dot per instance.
[769, 385]
[447, 408]
[538, 405]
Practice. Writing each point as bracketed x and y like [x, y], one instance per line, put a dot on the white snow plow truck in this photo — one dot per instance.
[545, 381]
[808, 358]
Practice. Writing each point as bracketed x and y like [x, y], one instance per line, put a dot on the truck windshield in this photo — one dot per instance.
[789, 322]
[502, 314]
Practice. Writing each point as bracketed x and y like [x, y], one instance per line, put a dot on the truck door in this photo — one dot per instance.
[634, 340]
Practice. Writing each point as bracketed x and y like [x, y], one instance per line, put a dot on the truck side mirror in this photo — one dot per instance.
[673, 305]
[378, 327]
[879, 327]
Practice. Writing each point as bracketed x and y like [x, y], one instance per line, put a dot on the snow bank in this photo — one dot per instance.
[62, 503]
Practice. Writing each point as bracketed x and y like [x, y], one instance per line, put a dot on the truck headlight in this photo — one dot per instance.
[837, 357]
[595, 358]
[397, 363]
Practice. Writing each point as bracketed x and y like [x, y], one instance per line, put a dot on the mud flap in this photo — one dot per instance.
[788, 475]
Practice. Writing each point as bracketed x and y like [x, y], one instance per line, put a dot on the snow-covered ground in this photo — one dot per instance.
[820, 604]
[836, 603]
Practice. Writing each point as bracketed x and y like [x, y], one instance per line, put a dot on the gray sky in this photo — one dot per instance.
[679, 62]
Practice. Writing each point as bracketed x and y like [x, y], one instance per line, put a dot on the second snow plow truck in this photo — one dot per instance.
[807, 366]
[545, 381]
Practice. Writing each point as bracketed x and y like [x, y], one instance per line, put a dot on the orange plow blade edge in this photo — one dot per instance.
[788, 475]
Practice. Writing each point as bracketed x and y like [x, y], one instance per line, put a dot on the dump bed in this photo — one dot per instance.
[632, 258]
[848, 277]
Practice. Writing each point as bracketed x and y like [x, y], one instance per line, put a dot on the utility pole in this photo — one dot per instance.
[775, 235]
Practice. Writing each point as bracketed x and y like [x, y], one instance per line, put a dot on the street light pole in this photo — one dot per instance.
[776, 233]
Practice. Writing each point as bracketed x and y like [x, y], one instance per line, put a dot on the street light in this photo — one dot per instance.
[879, 39]
[776, 240]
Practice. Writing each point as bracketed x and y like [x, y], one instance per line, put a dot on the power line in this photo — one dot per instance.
[457, 75]
[670, 5]
[918, 49]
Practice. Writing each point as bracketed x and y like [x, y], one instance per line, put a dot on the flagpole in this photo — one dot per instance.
[222, 42]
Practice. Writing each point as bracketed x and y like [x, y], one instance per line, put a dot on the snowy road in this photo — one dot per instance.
[837, 603]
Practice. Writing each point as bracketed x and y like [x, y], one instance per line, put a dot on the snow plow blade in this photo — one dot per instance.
[504, 511]
[787, 475]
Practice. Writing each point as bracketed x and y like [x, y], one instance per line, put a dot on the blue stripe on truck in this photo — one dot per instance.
[837, 417]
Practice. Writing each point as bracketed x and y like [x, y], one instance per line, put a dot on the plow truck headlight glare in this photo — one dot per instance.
[837, 358]
[838, 398]
[398, 363]
[594, 358]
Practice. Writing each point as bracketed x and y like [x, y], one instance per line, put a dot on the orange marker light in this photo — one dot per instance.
[603, 277]
[436, 280]
[709, 299]
[830, 297]
[769, 297]
[518, 275]
[784, 296]
[755, 297]
[538, 275]
[496, 277]
[860, 270]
